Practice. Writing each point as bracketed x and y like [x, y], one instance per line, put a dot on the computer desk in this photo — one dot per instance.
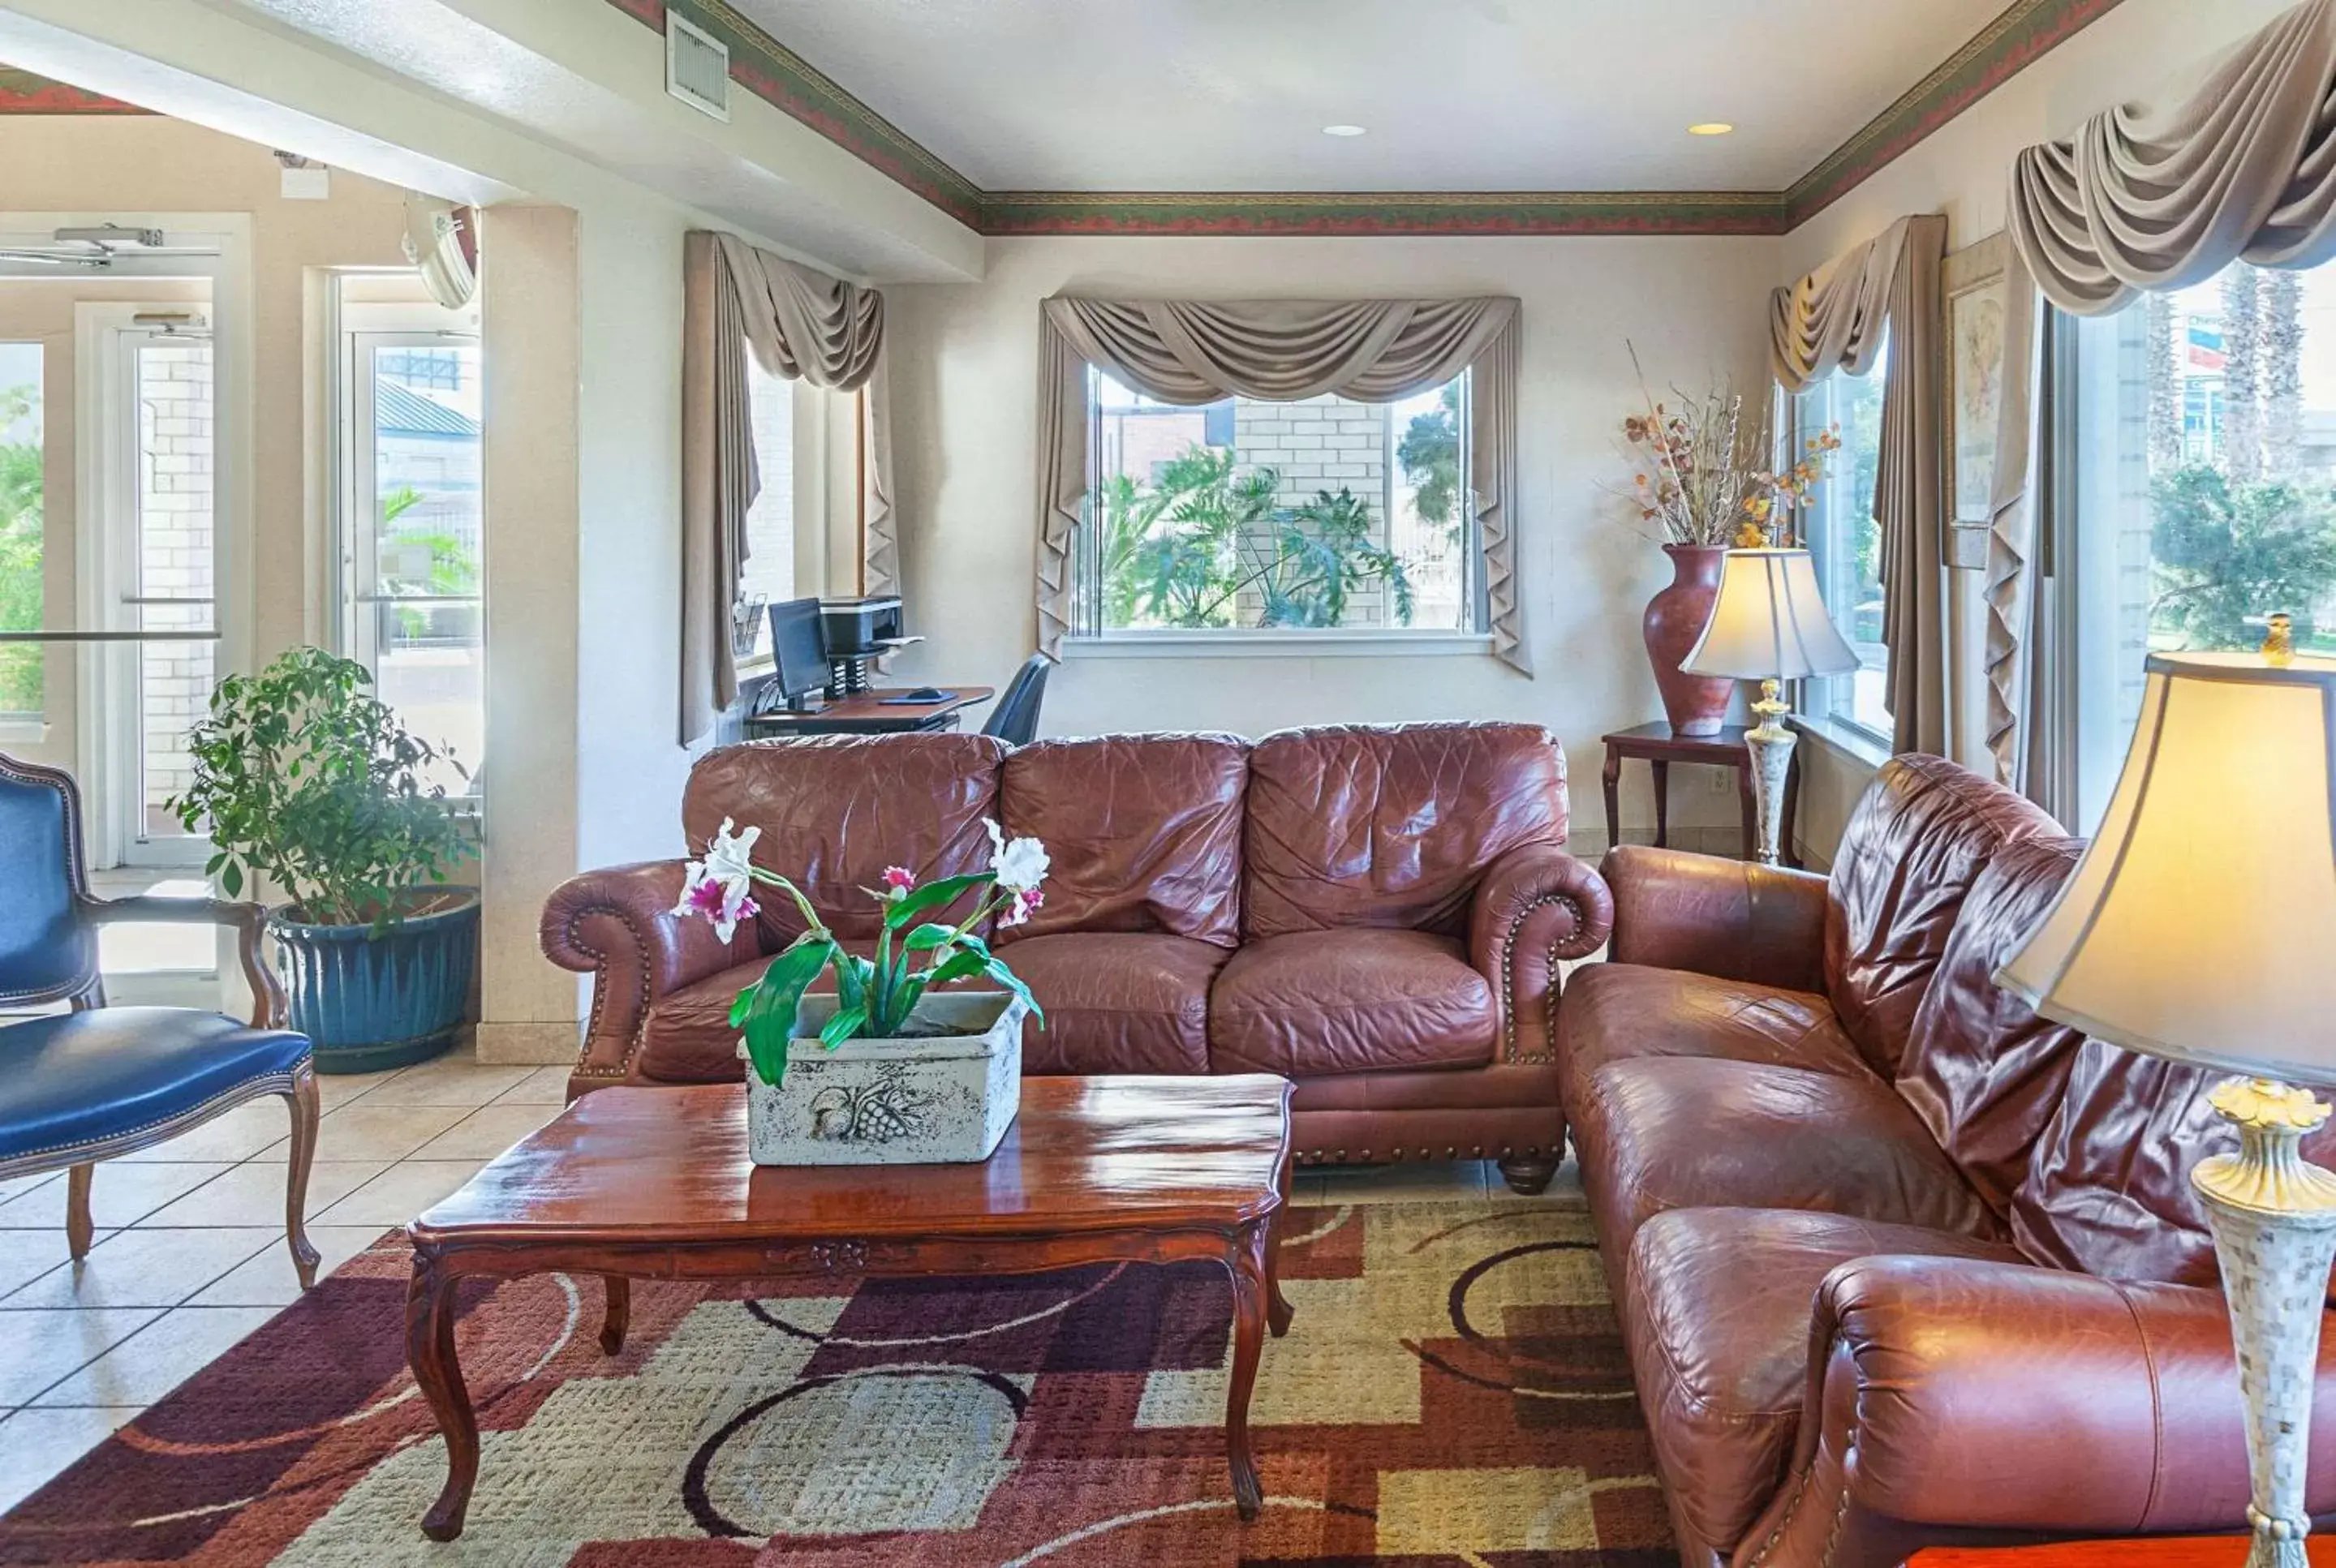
[866, 713]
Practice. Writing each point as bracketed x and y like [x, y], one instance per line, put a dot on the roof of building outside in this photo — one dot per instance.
[399, 410]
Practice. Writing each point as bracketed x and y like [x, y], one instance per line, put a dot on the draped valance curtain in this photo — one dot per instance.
[798, 324]
[1189, 352]
[1837, 318]
[2154, 197]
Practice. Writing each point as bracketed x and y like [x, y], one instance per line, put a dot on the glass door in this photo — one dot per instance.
[155, 578]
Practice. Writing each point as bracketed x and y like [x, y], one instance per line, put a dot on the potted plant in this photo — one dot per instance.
[1710, 480]
[305, 779]
[886, 1069]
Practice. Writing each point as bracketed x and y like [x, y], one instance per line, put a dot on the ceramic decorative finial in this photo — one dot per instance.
[2279, 643]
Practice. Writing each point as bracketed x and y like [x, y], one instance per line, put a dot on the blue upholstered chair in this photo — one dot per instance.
[84, 1085]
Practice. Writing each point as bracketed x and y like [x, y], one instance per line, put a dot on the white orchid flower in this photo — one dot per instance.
[1020, 863]
[720, 887]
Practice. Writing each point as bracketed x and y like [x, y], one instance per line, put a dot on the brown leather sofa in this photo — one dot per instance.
[1898, 1263]
[1377, 913]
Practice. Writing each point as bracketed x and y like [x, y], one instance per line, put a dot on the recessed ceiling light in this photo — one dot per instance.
[1342, 131]
[1710, 128]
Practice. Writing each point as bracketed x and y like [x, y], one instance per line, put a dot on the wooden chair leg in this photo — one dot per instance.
[303, 1101]
[78, 1229]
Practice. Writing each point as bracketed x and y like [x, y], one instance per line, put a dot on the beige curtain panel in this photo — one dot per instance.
[1837, 318]
[2012, 586]
[798, 324]
[1190, 352]
[2162, 195]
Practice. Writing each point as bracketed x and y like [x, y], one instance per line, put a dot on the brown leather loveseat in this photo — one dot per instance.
[1898, 1263]
[1376, 913]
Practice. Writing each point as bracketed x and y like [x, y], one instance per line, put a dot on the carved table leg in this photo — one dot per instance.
[1278, 1311]
[430, 1350]
[620, 1312]
[1247, 1263]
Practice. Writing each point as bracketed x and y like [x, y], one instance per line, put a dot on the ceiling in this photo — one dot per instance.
[1457, 95]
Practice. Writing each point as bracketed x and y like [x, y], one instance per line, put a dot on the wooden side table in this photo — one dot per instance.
[1658, 748]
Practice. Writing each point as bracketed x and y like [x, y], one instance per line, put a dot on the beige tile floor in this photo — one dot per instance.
[190, 1255]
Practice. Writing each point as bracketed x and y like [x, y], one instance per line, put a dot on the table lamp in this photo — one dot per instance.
[1770, 625]
[2200, 926]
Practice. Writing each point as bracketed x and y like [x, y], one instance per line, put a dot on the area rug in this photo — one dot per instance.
[1453, 1391]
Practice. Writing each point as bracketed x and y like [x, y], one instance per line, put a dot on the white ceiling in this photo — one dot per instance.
[1456, 94]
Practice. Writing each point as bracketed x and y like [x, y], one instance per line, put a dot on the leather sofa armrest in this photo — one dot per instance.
[617, 925]
[1950, 1399]
[1536, 906]
[1730, 919]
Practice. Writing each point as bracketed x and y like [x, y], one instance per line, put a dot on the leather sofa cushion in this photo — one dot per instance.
[836, 811]
[1920, 835]
[74, 1078]
[1717, 1308]
[1349, 1000]
[686, 1036]
[1983, 1072]
[1696, 1132]
[1116, 1001]
[1143, 832]
[1391, 826]
[2107, 1185]
[1623, 1011]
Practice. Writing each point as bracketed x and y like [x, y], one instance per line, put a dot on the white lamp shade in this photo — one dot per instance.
[1769, 622]
[2201, 924]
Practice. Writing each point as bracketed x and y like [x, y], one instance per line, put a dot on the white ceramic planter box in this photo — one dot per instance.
[935, 1099]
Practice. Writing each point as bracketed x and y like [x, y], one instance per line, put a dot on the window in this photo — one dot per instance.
[1325, 514]
[1840, 532]
[413, 528]
[2204, 464]
[769, 572]
[21, 525]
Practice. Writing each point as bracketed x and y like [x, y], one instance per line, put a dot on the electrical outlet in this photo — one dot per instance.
[1723, 780]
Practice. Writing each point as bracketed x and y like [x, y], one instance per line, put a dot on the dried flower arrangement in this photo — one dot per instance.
[1711, 479]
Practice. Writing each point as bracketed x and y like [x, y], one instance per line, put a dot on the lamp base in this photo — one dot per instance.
[2274, 1215]
[1771, 745]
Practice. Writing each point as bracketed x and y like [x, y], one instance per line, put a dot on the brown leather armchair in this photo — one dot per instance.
[1376, 913]
[1899, 1263]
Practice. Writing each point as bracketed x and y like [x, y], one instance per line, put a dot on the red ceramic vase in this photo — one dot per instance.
[1695, 704]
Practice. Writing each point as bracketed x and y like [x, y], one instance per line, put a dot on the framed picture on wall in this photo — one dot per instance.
[1974, 289]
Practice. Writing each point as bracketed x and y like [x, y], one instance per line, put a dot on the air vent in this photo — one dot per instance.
[697, 66]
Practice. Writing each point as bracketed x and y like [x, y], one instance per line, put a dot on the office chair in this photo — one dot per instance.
[1014, 719]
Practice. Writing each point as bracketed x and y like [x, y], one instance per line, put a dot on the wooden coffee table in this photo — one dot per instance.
[654, 1183]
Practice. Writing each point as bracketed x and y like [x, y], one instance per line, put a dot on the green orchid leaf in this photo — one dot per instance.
[1012, 981]
[925, 938]
[957, 966]
[932, 896]
[847, 1024]
[766, 1010]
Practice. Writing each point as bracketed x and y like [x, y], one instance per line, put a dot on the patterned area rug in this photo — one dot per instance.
[1452, 1393]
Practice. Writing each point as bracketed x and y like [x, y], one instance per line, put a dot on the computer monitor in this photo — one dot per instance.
[798, 650]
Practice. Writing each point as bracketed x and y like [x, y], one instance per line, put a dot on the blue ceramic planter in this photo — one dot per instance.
[369, 1002]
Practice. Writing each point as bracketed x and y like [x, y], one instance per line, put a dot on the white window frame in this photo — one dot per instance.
[1088, 638]
[1826, 702]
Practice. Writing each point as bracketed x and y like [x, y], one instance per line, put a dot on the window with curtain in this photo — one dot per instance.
[1251, 515]
[1839, 527]
[768, 575]
[2202, 446]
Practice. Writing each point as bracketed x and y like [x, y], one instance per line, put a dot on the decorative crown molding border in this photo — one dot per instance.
[2026, 32]
[1495, 212]
[22, 92]
[2020, 36]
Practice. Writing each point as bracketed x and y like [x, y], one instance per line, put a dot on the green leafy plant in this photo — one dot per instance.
[1190, 549]
[1430, 455]
[877, 997]
[2222, 552]
[303, 777]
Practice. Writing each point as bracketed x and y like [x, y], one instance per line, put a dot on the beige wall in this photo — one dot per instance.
[1963, 170]
[965, 385]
